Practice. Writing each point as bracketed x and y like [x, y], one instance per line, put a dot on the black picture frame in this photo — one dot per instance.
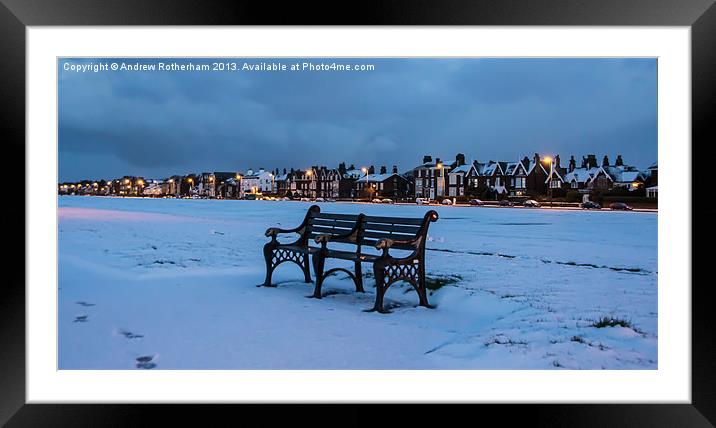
[16, 15]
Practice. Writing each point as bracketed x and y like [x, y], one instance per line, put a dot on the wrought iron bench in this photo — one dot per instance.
[359, 230]
[384, 233]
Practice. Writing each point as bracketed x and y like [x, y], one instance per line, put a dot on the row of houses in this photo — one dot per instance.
[434, 178]
[529, 177]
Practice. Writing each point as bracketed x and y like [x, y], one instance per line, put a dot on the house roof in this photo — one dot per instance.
[461, 169]
[490, 168]
[535, 165]
[623, 174]
[580, 175]
[353, 173]
[378, 177]
[479, 167]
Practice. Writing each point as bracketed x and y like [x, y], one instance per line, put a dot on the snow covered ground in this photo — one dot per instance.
[176, 281]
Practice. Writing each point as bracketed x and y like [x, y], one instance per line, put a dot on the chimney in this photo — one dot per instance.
[371, 170]
[605, 161]
[395, 169]
[584, 162]
[437, 161]
[619, 162]
[591, 161]
[284, 170]
[261, 170]
[460, 159]
[383, 170]
[556, 162]
[342, 168]
[427, 159]
[526, 162]
[536, 158]
[572, 164]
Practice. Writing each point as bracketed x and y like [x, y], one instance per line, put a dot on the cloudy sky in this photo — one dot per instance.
[159, 123]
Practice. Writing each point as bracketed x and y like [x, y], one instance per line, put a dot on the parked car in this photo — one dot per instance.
[377, 201]
[422, 201]
[620, 206]
[446, 202]
[505, 203]
[320, 200]
[285, 198]
[476, 202]
[531, 203]
[589, 205]
[387, 201]
[330, 200]
[305, 200]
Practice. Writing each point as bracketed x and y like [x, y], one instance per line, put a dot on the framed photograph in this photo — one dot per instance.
[418, 213]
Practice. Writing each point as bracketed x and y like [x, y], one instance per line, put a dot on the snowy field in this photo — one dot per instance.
[176, 281]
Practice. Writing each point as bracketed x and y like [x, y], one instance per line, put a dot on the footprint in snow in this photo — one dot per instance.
[85, 304]
[130, 335]
[80, 318]
[145, 362]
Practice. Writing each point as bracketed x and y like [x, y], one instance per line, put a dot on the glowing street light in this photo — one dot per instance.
[439, 165]
[309, 173]
[549, 159]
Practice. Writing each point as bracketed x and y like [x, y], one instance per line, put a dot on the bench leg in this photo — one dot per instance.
[306, 269]
[318, 263]
[268, 250]
[359, 278]
[379, 289]
[422, 292]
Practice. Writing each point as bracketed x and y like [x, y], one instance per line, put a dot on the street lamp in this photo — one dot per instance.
[239, 185]
[442, 176]
[551, 171]
[365, 171]
[310, 174]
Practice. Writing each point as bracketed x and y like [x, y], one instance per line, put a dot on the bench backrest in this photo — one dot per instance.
[376, 228]
[319, 223]
[372, 228]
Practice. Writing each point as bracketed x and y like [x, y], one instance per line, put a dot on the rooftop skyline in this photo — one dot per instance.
[158, 124]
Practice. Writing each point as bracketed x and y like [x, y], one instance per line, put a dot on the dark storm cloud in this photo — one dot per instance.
[160, 123]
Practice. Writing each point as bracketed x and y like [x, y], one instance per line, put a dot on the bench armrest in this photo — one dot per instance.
[326, 237]
[386, 243]
[273, 231]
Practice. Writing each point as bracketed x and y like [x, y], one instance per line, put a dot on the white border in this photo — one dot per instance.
[670, 383]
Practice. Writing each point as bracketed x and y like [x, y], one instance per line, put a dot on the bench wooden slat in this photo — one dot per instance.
[413, 230]
[337, 223]
[385, 235]
[329, 230]
[349, 217]
[394, 220]
[312, 236]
